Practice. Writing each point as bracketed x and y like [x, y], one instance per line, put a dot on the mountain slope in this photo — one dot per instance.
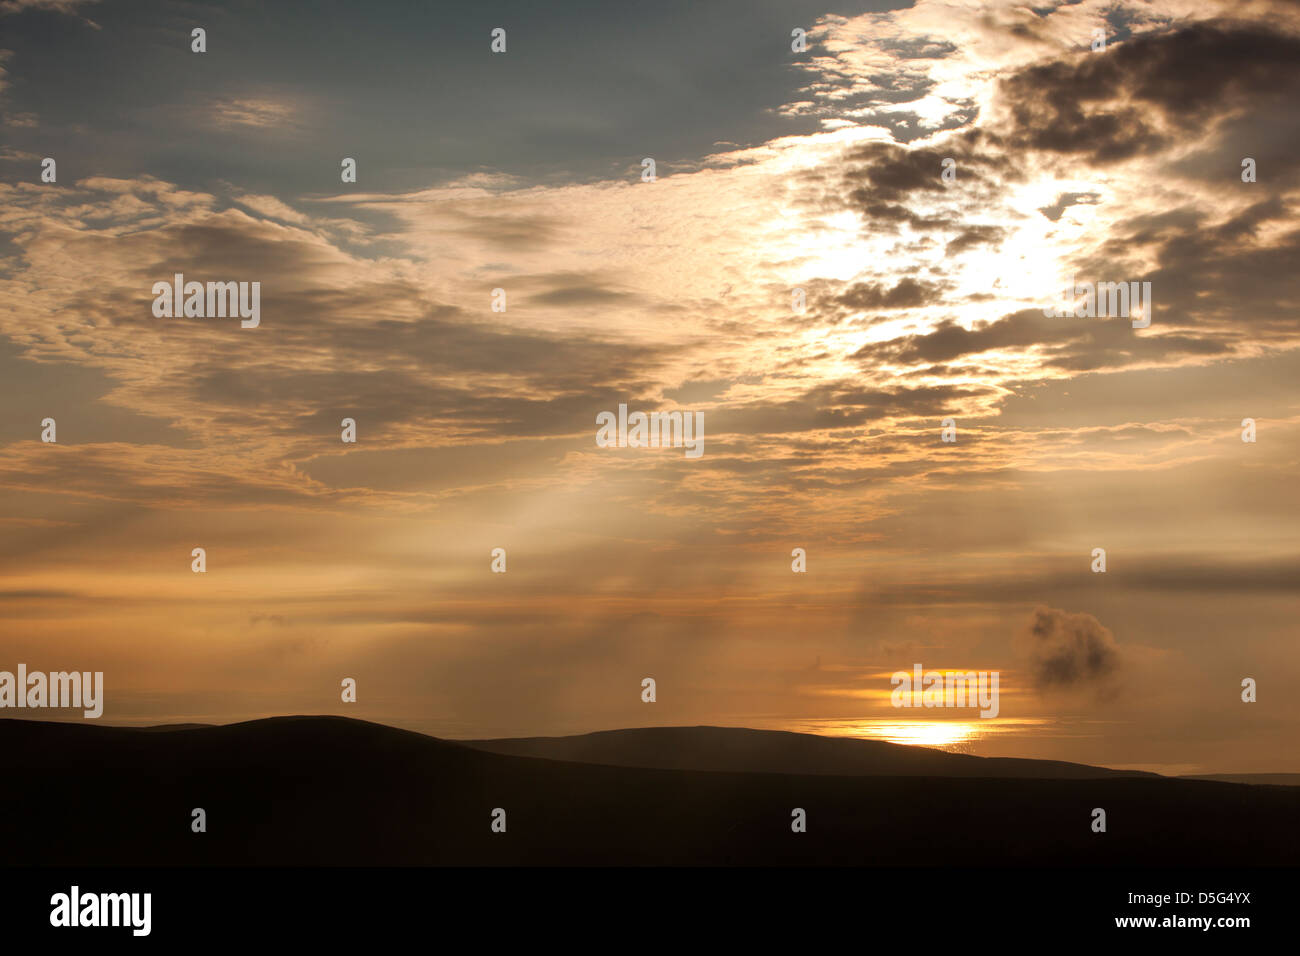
[1257, 779]
[327, 790]
[768, 751]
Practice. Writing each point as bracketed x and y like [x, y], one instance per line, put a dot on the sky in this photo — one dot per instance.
[776, 170]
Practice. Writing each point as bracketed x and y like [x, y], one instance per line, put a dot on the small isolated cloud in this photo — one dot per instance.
[1065, 200]
[1071, 651]
[258, 112]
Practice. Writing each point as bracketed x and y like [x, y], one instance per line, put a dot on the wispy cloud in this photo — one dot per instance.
[255, 112]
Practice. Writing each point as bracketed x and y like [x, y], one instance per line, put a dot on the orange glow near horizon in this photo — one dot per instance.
[958, 735]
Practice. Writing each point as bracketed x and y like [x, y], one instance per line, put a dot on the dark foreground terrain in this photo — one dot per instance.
[775, 751]
[328, 790]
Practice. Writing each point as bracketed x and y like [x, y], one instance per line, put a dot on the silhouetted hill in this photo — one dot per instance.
[771, 751]
[328, 790]
[176, 726]
[1256, 779]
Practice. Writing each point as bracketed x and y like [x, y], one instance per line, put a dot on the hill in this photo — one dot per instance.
[767, 751]
[328, 790]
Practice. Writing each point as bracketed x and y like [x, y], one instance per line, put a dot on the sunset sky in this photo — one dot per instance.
[776, 170]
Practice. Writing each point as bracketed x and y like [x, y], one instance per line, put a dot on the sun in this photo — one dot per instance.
[921, 733]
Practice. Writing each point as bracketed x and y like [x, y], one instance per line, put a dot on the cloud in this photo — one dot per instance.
[906, 293]
[1070, 651]
[1150, 91]
[262, 112]
[1066, 200]
[56, 6]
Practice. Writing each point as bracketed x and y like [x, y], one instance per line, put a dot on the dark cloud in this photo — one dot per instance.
[1076, 344]
[38, 595]
[1066, 200]
[905, 294]
[579, 295]
[889, 172]
[1137, 97]
[973, 236]
[880, 175]
[876, 210]
[950, 341]
[1071, 650]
